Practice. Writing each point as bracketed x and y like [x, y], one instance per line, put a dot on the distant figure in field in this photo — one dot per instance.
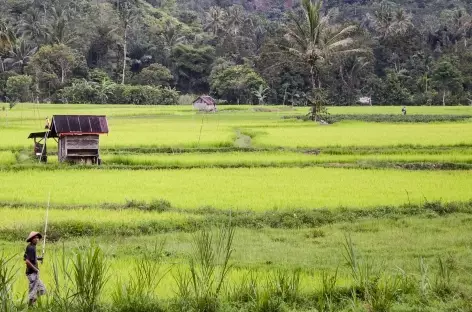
[48, 123]
[404, 110]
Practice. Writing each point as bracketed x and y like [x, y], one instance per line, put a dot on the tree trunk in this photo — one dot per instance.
[124, 53]
[313, 79]
[313, 85]
[444, 98]
[62, 75]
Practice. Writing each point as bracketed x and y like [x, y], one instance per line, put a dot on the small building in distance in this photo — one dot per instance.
[205, 103]
[77, 137]
[366, 100]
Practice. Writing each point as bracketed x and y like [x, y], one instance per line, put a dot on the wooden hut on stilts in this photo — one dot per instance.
[77, 137]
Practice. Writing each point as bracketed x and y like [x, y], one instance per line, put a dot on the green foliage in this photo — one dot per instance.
[443, 286]
[18, 88]
[394, 91]
[53, 65]
[147, 95]
[154, 75]
[313, 48]
[192, 67]
[235, 83]
[447, 78]
[4, 76]
[7, 277]
[139, 293]
[86, 92]
[260, 94]
[89, 276]
[379, 290]
[209, 265]
[327, 298]
[61, 296]
[99, 76]
[81, 92]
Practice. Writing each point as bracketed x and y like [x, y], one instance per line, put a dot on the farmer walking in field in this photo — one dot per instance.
[36, 286]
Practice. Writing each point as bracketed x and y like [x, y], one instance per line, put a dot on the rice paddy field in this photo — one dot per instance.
[379, 208]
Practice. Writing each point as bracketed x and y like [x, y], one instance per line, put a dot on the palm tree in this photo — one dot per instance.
[313, 40]
[402, 22]
[215, 19]
[350, 72]
[20, 54]
[388, 22]
[32, 26]
[60, 29]
[7, 39]
[236, 19]
[171, 35]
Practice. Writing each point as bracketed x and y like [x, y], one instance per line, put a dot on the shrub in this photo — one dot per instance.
[4, 76]
[19, 88]
[443, 286]
[89, 275]
[7, 275]
[379, 290]
[80, 92]
[186, 99]
[86, 92]
[154, 75]
[139, 294]
[99, 75]
[159, 205]
[209, 266]
[442, 208]
[143, 95]
[285, 284]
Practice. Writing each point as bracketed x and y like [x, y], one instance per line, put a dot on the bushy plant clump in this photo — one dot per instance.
[86, 92]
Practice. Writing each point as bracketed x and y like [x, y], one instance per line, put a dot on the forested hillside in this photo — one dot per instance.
[405, 52]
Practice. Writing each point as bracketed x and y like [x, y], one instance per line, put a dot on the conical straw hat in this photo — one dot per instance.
[33, 234]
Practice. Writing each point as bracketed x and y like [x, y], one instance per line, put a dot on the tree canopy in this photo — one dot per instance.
[402, 52]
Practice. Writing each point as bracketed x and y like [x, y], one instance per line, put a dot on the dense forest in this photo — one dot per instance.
[405, 52]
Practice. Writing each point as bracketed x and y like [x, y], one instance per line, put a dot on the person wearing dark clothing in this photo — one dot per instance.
[36, 286]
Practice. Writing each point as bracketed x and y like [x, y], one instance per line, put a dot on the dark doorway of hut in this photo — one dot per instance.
[77, 138]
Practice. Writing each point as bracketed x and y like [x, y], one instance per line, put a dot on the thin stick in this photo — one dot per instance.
[201, 128]
[46, 224]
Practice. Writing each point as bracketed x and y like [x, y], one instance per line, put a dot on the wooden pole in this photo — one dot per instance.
[46, 225]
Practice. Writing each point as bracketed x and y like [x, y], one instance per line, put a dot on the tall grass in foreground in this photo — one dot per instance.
[78, 281]
[378, 289]
[209, 265]
[203, 285]
[7, 277]
[139, 293]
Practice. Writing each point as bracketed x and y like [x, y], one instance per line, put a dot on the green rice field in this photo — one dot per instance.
[178, 127]
[293, 191]
[251, 189]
